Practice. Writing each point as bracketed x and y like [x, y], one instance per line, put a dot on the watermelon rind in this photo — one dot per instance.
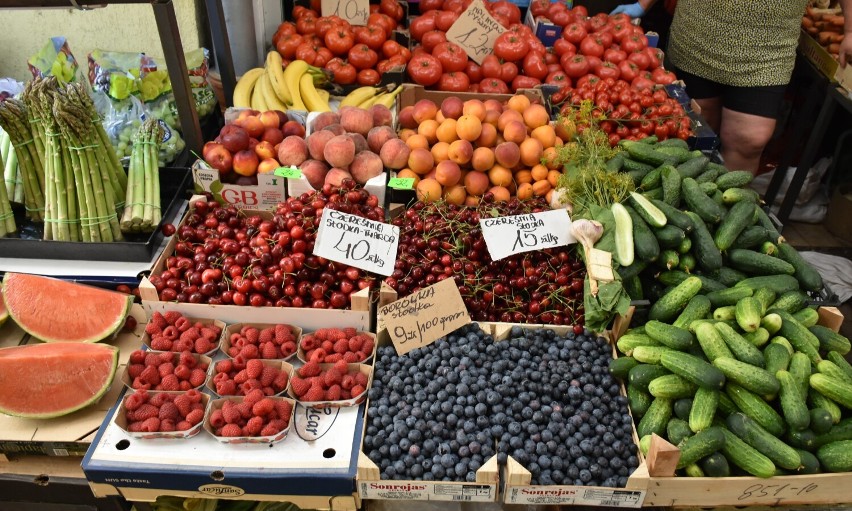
[62, 411]
[4, 314]
[63, 303]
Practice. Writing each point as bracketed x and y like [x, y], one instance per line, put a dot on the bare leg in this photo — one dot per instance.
[711, 110]
[744, 136]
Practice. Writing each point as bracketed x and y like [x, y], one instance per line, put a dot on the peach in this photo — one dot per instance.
[446, 131]
[218, 157]
[461, 151]
[292, 151]
[544, 134]
[246, 162]
[337, 129]
[339, 151]
[378, 136]
[405, 133]
[356, 120]
[417, 141]
[440, 151]
[265, 150]
[421, 161]
[382, 115]
[508, 116]
[360, 142]
[488, 137]
[267, 165]
[500, 176]
[272, 135]
[483, 159]
[428, 190]
[244, 114]
[253, 126]
[366, 166]
[518, 103]
[447, 173]
[469, 127]
[475, 108]
[317, 141]
[514, 131]
[335, 177]
[429, 129]
[324, 119]
[452, 107]
[314, 171]
[493, 104]
[406, 118]
[500, 193]
[535, 116]
[293, 128]
[234, 139]
[507, 154]
[269, 119]
[424, 110]
[531, 150]
[491, 117]
[394, 154]
[455, 194]
[476, 183]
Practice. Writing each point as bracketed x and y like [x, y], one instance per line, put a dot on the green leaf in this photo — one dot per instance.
[216, 187]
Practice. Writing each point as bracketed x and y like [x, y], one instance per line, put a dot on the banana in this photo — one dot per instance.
[292, 75]
[244, 87]
[276, 77]
[257, 101]
[324, 94]
[367, 103]
[269, 97]
[310, 95]
[388, 100]
[359, 95]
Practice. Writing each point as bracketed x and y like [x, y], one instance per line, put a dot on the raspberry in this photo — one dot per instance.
[224, 366]
[169, 411]
[241, 377]
[135, 427]
[158, 399]
[341, 346]
[159, 320]
[165, 358]
[233, 351]
[266, 335]
[184, 385]
[332, 377]
[357, 390]
[334, 334]
[349, 332]
[135, 400]
[151, 359]
[162, 344]
[140, 385]
[150, 375]
[269, 430]
[316, 393]
[253, 396]
[300, 386]
[137, 357]
[167, 425]
[310, 369]
[226, 388]
[197, 378]
[287, 349]
[268, 375]
[280, 381]
[216, 419]
[250, 385]
[185, 344]
[263, 407]
[190, 335]
[284, 409]
[333, 393]
[250, 351]
[231, 430]
[360, 379]
[145, 411]
[134, 370]
[166, 369]
[183, 324]
[355, 343]
[350, 357]
[184, 404]
[281, 424]
[194, 396]
[171, 333]
[182, 426]
[327, 346]
[183, 372]
[151, 425]
[187, 359]
[348, 382]
[254, 368]
[252, 335]
[309, 342]
[231, 414]
[203, 345]
[195, 416]
[254, 426]
[334, 357]
[169, 382]
[283, 333]
[270, 351]
[172, 316]
[318, 355]
[369, 346]
[244, 409]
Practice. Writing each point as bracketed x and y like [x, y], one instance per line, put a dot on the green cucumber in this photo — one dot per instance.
[726, 405]
[645, 444]
[671, 386]
[801, 439]
[748, 314]
[834, 389]
[729, 296]
[675, 277]
[649, 354]
[697, 308]
[764, 220]
[829, 340]
[748, 376]
[768, 248]
[710, 173]
[639, 401]
[711, 342]
[755, 263]
[682, 408]
[810, 463]
[830, 369]
[643, 374]
[633, 270]
[693, 471]
[636, 168]
[755, 407]
[669, 335]
[716, 465]
[709, 256]
[675, 216]
[693, 369]
[800, 337]
[727, 313]
[766, 443]
[751, 237]
[673, 302]
[743, 350]
[650, 140]
[634, 289]
[669, 236]
[693, 167]
[791, 301]
[656, 418]
[735, 195]
[758, 338]
[620, 367]
[646, 246]
[821, 421]
[678, 155]
[703, 410]
[624, 253]
[728, 276]
[766, 297]
[737, 219]
[792, 403]
[777, 358]
[734, 179]
[632, 340]
[677, 430]
[652, 180]
[836, 456]
[746, 457]
[703, 443]
[818, 400]
[649, 212]
[800, 368]
[687, 261]
[699, 203]
[782, 341]
[671, 185]
[771, 322]
[841, 363]
[840, 431]
[807, 317]
[709, 188]
[614, 164]
[645, 153]
[673, 142]
[778, 283]
[808, 276]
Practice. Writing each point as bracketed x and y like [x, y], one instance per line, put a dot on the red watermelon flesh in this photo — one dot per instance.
[54, 310]
[51, 380]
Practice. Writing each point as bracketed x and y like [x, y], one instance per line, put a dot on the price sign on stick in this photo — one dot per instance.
[422, 318]
[355, 12]
[357, 241]
[475, 31]
[508, 235]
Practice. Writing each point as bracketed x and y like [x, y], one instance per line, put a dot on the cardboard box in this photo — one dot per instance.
[824, 62]
[265, 195]
[840, 211]
[120, 420]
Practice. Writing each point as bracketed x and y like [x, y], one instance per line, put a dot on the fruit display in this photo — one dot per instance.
[163, 412]
[330, 383]
[460, 150]
[440, 412]
[440, 240]
[42, 381]
[174, 332]
[273, 342]
[251, 145]
[253, 416]
[274, 88]
[168, 371]
[78, 313]
[238, 377]
[329, 345]
[826, 27]
[225, 257]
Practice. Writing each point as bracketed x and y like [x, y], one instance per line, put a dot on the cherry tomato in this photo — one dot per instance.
[451, 56]
[425, 69]
[660, 96]
[368, 77]
[661, 131]
[614, 139]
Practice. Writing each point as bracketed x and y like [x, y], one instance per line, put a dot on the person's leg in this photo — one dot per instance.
[711, 111]
[707, 93]
[744, 136]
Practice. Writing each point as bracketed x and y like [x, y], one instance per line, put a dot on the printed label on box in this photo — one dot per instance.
[422, 490]
[475, 31]
[221, 490]
[269, 191]
[508, 235]
[357, 241]
[575, 495]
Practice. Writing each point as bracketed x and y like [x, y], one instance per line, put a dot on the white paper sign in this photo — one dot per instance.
[508, 235]
[357, 241]
[355, 12]
[475, 31]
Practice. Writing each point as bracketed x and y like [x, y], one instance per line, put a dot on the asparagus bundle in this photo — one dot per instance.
[142, 207]
[7, 217]
[14, 119]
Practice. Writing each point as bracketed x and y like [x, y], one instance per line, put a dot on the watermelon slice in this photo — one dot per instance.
[51, 380]
[4, 314]
[53, 310]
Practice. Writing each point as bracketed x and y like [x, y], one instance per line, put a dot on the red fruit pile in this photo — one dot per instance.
[311, 384]
[335, 344]
[157, 371]
[163, 412]
[173, 332]
[269, 343]
[238, 377]
[257, 415]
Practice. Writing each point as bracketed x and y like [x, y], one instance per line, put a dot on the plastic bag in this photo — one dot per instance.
[164, 106]
[55, 59]
[809, 188]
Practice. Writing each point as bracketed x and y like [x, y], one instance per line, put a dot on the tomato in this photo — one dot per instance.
[425, 69]
[451, 56]
[605, 39]
[551, 58]
[574, 33]
[575, 66]
[641, 82]
[563, 47]
[587, 81]
[622, 30]
[557, 78]
[382, 20]
[662, 76]
[306, 25]
[445, 19]
[554, 67]
[431, 5]
[508, 71]
[561, 18]
[372, 36]
[339, 41]
[632, 44]
[594, 63]
[646, 101]
[507, 9]
[661, 131]
[608, 70]
[534, 66]
[640, 59]
[287, 45]
[391, 48]
[474, 87]
[432, 39]
[422, 24]
[614, 56]
[524, 82]
[493, 86]
[629, 70]
[344, 73]
[539, 7]
[362, 57]
[536, 45]
[368, 77]
[455, 82]
[473, 71]
[614, 139]
[491, 67]
[300, 11]
[392, 9]
[599, 21]
[325, 24]
[655, 57]
[308, 52]
[591, 46]
[580, 11]
[660, 96]
[284, 28]
[457, 6]
[405, 53]
[511, 47]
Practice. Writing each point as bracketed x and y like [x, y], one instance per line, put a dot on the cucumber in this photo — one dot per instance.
[821, 421]
[627, 272]
[748, 376]
[758, 338]
[800, 337]
[748, 314]
[717, 198]
[841, 431]
[650, 140]
[671, 386]
[703, 410]
[634, 289]
[639, 401]
[709, 256]
[697, 308]
[687, 261]
[766, 297]
[800, 368]
[711, 342]
[677, 430]
[735, 195]
[709, 189]
[768, 248]
[726, 405]
[649, 354]
[649, 212]
[807, 317]
[737, 219]
[652, 180]
[682, 408]
[830, 369]
[764, 220]
[669, 236]
[675, 216]
[818, 400]
[646, 246]
[620, 367]
[836, 456]
[671, 185]
[669, 335]
[778, 283]
[673, 302]
[677, 154]
[645, 153]
[841, 363]
[656, 418]
[791, 301]
[716, 465]
[755, 263]
[643, 374]
[734, 179]
[727, 313]
[755, 407]
[728, 296]
[703, 443]
[623, 235]
[632, 340]
[673, 142]
[675, 277]
[645, 444]
[834, 389]
[633, 166]
[693, 369]
[699, 203]
[746, 457]
[751, 237]
[808, 276]
[810, 463]
[614, 164]
[693, 471]
[728, 276]
[801, 439]
[777, 358]
[766, 443]
[792, 402]
[829, 340]
[781, 341]
[743, 350]
[653, 194]
[693, 167]
[710, 173]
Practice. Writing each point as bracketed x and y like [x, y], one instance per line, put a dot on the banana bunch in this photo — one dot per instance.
[365, 97]
[273, 87]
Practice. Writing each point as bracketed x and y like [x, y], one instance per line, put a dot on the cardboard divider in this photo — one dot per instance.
[281, 365]
[121, 420]
[300, 352]
[217, 404]
[342, 403]
[199, 359]
[146, 338]
[225, 343]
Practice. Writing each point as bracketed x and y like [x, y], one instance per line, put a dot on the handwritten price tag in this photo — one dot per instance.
[508, 235]
[475, 31]
[357, 241]
[355, 12]
[422, 318]
[288, 172]
[401, 183]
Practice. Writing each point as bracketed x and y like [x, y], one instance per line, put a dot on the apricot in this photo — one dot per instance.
[448, 173]
[535, 116]
[475, 108]
[531, 150]
[469, 127]
[447, 131]
[506, 117]
[515, 131]
[501, 193]
[483, 159]
[549, 157]
[417, 141]
[455, 194]
[518, 103]
[491, 117]
[523, 177]
[429, 129]
[540, 188]
[421, 161]
[405, 133]
[500, 176]
[476, 183]
[525, 191]
[441, 151]
[488, 137]
[544, 134]
[461, 151]
[428, 190]
[471, 201]
[553, 177]
[406, 173]
[508, 154]
[538, 172]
